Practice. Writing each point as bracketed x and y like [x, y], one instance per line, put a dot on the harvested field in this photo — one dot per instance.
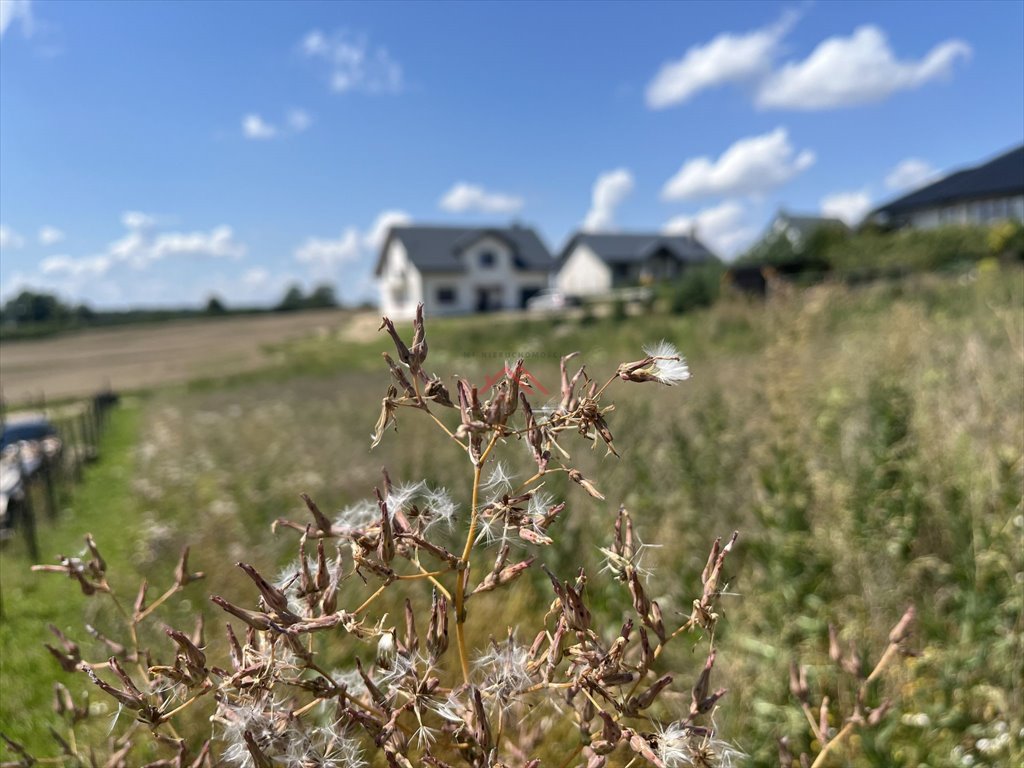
[139, 357]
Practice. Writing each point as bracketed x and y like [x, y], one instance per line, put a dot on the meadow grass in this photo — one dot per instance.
[865, 441]
[102, 504]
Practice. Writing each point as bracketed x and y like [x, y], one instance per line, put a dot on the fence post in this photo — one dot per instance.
[29, 515]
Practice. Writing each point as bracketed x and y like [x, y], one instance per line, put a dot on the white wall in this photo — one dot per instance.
[973, 212]
[400, 283]
[503, 278]
[583, 274]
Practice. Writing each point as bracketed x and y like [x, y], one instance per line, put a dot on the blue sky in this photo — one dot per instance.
[154, 153]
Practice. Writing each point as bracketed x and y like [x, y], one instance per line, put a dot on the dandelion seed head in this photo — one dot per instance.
[669, 367]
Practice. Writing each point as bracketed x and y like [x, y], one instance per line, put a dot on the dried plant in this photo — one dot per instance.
[417, 693]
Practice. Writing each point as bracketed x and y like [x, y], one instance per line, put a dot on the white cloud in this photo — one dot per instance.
[860, 69]
[472, 197]
[728, 58]
[850, 207]
[255, 277]
[750, 166]
[49, 235]
[140, 247]
[723, 228]
[352, 63]
[375, 236]
[295, 121]
[137, 220]
[91, 266]
[255, 127]
[299, 120]
[325, 255]
[9, 239]
[328, 253]
[12, 10]
[610, 189]
[909, 173]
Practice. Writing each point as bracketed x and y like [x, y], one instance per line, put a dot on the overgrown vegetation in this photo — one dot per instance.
[865, 440]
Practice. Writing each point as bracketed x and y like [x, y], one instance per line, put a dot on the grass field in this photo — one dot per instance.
[866, 442]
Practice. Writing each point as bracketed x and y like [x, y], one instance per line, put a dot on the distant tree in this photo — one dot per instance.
[322, 297]
[31, 307]
[293, 299]
[215, 306]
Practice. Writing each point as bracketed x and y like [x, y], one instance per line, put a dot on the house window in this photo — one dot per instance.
[487, 259]
[446, 294]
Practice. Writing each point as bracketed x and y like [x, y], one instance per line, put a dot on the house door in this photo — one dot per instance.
[488, 298]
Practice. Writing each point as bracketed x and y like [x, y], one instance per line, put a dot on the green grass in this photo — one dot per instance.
[865, 441]
[102, 505]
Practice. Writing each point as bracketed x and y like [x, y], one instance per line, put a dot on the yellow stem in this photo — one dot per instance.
[371, 598]
[157, 603]
[460, 576]
[184, 706]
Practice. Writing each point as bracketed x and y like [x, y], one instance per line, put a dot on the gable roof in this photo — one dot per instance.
[636, 246]
[999, 177]
[437, 248]
[808, 225]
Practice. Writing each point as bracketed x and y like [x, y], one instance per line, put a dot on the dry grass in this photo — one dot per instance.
[866, 442]
[140, 357]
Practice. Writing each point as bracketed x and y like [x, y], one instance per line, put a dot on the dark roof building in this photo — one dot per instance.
[455, 270]
[592, 263]
[988, 192]
[441, 249]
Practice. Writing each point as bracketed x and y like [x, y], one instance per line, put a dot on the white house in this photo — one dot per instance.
[592, 264]
[993, 191]
[455, 270]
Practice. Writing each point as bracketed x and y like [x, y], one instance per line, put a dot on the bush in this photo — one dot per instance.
[698, 287]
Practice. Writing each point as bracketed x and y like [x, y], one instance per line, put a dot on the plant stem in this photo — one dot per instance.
[371, 598]
[461, 575]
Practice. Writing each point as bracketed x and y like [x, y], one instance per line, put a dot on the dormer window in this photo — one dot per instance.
[488, 259]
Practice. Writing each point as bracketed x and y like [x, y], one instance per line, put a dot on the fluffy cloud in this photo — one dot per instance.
[850, 207]
[909, 173]
[330, 253]
[15, 10]
[728, 58]
[610, 189]
[325, 255]
[137, 220]
[723, 228]
[750, 166]
[255, 127]
[352, 63]
[90, 266]
[50, 235]
[849, 71]
[141, 246]
[299, 120]
[375, 236]
[471, 197]
[9, 239]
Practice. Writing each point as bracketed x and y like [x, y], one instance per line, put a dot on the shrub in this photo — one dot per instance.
[698, 287]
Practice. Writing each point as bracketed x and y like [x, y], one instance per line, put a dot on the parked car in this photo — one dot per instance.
[548, 301]
[29, 429]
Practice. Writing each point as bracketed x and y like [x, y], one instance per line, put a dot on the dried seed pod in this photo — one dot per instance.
[322, 523]
[275, 599]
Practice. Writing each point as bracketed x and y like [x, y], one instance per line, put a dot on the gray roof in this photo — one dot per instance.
[1002, 176]
[637, 246]
[808, 225]
[437, 248]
